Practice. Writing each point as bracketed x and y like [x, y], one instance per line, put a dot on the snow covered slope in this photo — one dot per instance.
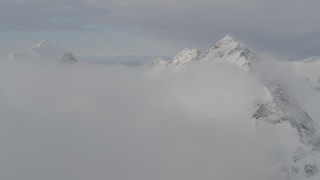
[226, 50]
[44, 51]
[231, 51]
[184, 57]
[278, 110]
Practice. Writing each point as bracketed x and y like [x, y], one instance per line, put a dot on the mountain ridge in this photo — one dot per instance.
[278, 107]
[44, 51]
[225, 50]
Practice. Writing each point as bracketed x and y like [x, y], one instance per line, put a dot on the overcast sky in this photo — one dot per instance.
[149, 27]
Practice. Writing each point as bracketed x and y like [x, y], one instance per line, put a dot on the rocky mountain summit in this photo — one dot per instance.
[278, 108]
[226, 50]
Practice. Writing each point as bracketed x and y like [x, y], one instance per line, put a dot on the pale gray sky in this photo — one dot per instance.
[118, 27]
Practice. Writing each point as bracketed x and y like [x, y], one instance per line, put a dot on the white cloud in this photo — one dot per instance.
[111, 122]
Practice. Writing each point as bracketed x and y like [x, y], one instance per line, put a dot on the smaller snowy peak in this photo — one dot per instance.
[184, 57]
[44, 51]
[45, 44]
[230, 50]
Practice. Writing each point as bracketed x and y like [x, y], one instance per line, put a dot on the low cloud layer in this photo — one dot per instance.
[114, 122]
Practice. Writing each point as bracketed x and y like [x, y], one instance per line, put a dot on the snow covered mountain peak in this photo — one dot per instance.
[225, 50]
[44, 51]
[279, 109]
[226, 40]
[228, 43]
[45, 44]
[229, 50]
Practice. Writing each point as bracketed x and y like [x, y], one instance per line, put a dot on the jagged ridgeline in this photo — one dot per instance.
[277, 108]
[226, 50]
